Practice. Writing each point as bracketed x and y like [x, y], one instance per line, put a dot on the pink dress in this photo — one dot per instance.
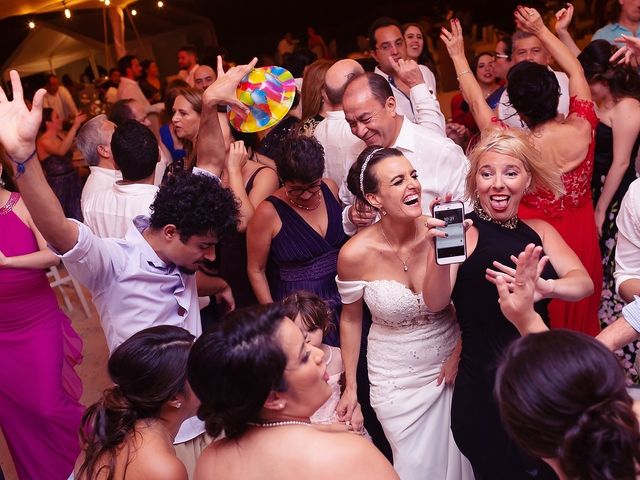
[39, 390]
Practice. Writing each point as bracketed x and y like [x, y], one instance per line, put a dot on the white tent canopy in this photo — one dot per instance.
[48, 48]
[11, 8]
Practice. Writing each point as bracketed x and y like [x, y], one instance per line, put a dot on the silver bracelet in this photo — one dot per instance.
[464, 72]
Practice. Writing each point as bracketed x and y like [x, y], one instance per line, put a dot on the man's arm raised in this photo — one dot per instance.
[18, 137]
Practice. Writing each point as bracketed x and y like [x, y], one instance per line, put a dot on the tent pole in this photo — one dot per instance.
[135, 29]
[107, 57]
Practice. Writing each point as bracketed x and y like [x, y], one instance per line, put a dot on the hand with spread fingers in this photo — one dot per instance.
[223, 90]
[19, 124]
[629, 52]
[453, 40]
[516, 297]
[543, 288]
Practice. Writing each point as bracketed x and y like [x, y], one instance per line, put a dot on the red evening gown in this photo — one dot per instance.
[572, 215]
[39, 390]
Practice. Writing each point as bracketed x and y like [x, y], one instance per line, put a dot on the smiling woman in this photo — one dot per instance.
[411, 350]
[504, 165]
[259, 381]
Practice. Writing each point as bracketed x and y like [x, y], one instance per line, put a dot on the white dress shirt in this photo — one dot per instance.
[131, 89]
[406, 105]
[133, 289]
[628, 242]
[341, 147]
[109, 212]
[100, 178]
[441, 165]
[62, 102]
[509, 116]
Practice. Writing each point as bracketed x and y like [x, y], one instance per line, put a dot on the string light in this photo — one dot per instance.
[134, 12]
[31, 24]
[160, 4]
[107, 2]
[67, 13]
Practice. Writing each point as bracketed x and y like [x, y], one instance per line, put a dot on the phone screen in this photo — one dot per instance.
[453, 244]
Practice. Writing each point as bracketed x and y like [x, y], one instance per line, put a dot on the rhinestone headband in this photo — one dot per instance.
[364, 167]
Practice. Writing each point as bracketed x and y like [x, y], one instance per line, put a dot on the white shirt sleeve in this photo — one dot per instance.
[628, 242]
[631, 313]
[94, 261]
[427, 109]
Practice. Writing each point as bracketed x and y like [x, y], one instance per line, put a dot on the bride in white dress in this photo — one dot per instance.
[412, 352]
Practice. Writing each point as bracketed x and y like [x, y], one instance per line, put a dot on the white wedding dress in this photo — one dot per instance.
[407, 347]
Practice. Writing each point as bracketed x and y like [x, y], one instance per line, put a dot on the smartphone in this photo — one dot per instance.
[453, 247]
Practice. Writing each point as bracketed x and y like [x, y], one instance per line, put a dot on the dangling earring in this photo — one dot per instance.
[1, 182]
[383, 212]
[178, 404]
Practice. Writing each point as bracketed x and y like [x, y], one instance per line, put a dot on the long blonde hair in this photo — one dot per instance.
[517, 144]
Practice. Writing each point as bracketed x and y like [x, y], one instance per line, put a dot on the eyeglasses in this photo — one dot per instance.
[299, 191]
[386, 46]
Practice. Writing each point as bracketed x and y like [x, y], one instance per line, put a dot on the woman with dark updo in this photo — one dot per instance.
[566, 144]
[260, 380]
[562, 397]
[129, 433]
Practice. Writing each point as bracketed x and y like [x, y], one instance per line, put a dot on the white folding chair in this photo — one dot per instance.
[58, 281]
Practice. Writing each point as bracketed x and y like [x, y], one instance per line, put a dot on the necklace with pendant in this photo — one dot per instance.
[405, 267]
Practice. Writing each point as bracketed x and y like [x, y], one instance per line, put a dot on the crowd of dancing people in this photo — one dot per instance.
[274, 305]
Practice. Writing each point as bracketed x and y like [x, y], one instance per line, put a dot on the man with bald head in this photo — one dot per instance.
[370, 110]
[341, 147]
[203, 76]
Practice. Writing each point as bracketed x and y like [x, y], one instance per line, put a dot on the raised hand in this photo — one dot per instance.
[630, 51]
[564, 17]
[528, 20]
[223, 90]
[19, 124]
[453, 40]
[516, 302]
[408, 71]
[542, 288]
[237, 156]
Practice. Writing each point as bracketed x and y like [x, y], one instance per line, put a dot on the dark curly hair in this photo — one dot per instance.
[196, 205]
[622, 80]
[148, 369]
[300, 158]
[534, 92]
[369, 180]
[563, 395]
[234, 366]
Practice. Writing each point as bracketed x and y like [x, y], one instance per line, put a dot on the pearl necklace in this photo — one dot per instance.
[280, 423]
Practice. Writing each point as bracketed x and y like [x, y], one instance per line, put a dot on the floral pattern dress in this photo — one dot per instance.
[610, 302]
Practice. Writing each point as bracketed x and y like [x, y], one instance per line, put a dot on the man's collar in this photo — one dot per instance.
[406, 138]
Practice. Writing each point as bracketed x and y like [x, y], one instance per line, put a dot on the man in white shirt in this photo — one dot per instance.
[527, 46]
[59, 99]
[130, 72]
[388, 48]
[110, 211]
[147, 278]
[187, 63]
[627, 273]
[340, 145]
[94, 142]
[370, 110]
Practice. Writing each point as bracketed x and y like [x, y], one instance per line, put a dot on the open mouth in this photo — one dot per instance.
[411, 200]
[499, 202]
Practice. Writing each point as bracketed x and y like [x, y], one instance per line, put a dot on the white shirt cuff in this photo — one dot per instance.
[631, 313]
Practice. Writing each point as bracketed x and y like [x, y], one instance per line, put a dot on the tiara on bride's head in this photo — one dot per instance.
[364, 167]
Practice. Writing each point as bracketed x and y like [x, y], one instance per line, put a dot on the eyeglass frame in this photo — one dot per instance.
[298, 192]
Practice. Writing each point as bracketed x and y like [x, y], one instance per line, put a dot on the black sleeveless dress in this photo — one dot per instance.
[233, 261]
[486, 333]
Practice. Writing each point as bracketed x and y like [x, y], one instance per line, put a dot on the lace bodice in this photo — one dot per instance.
[391, 303]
